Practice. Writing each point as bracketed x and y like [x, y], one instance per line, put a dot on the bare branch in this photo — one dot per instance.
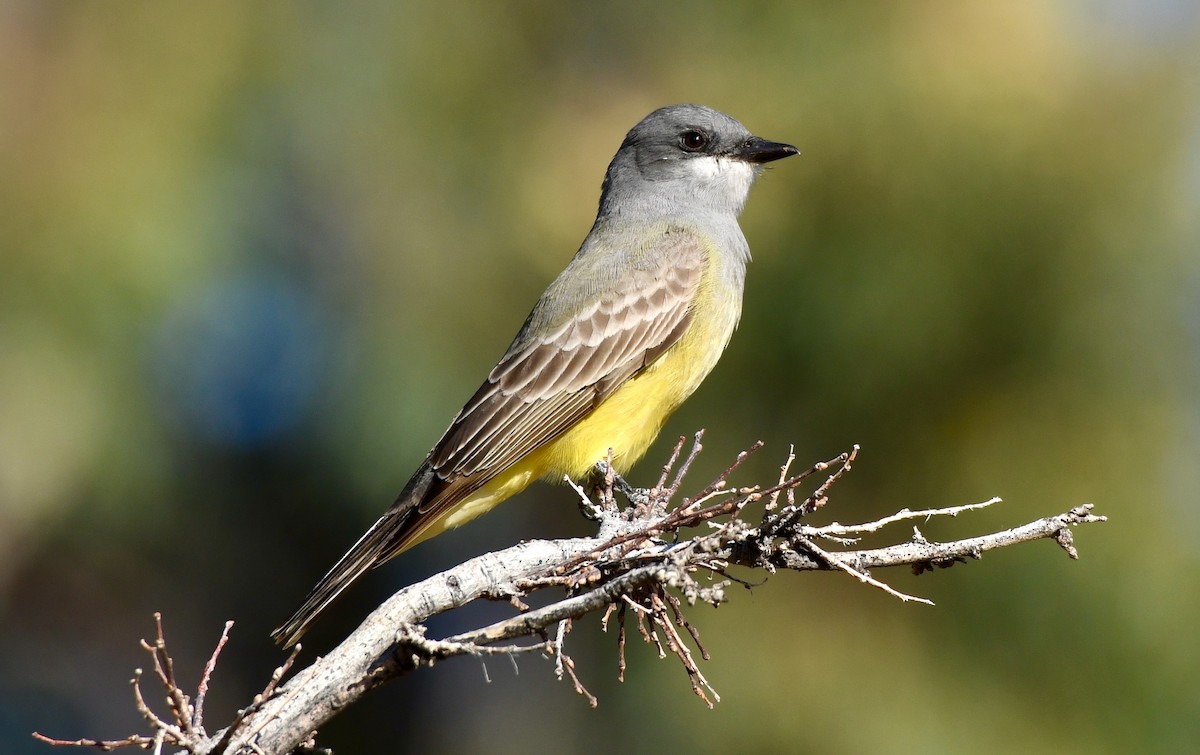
[646, 561]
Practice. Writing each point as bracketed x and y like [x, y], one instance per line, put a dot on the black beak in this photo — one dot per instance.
[755, 150]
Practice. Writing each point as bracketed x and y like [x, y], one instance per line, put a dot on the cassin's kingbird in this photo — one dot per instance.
[617, 342]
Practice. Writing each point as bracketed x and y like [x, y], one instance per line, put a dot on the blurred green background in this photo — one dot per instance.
[254, 256]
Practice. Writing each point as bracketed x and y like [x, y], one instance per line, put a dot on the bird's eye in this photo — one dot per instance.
[693, 141]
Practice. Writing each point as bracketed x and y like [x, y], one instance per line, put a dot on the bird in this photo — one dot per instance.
[628, 330]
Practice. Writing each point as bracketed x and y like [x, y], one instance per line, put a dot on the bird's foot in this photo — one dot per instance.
[593, 512]
[609, 482]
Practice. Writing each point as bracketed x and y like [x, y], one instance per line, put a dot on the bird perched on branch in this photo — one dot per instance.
[616, 343]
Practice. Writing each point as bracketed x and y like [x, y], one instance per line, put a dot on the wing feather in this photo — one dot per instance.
[542, 387]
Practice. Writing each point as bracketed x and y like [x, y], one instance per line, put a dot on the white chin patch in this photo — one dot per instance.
[734, 176]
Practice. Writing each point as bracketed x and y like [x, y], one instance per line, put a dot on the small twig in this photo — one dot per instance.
[565, 665]
[682, 621]
[104, 745]
[202, 689]
[279, 673]
[430, 650]
[794, 481]
[697, 447]
[267, 693]
[681, 651]
[835, 529]
[783, 470]
[621, 644]
[718, 484]
[861, 576]
[570, 608]
[847, 461]
[164, 669]
[139, 702]
[666, 470]
[789, 514]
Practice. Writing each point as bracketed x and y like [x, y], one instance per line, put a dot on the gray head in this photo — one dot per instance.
[684, 157]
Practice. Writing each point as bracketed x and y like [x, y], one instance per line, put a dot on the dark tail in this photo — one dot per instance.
[386, 538]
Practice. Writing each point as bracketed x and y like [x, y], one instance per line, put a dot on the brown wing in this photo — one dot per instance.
[545, 384]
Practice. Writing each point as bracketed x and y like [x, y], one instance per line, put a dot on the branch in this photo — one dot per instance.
[644, 563]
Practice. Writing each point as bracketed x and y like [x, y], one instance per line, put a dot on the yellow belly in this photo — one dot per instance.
[628, 422]
[630, 419]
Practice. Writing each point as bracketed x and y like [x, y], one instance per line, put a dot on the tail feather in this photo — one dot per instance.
[345, 572]
[390, 534]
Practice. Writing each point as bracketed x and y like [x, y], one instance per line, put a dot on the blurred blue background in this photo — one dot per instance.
[254, 257]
